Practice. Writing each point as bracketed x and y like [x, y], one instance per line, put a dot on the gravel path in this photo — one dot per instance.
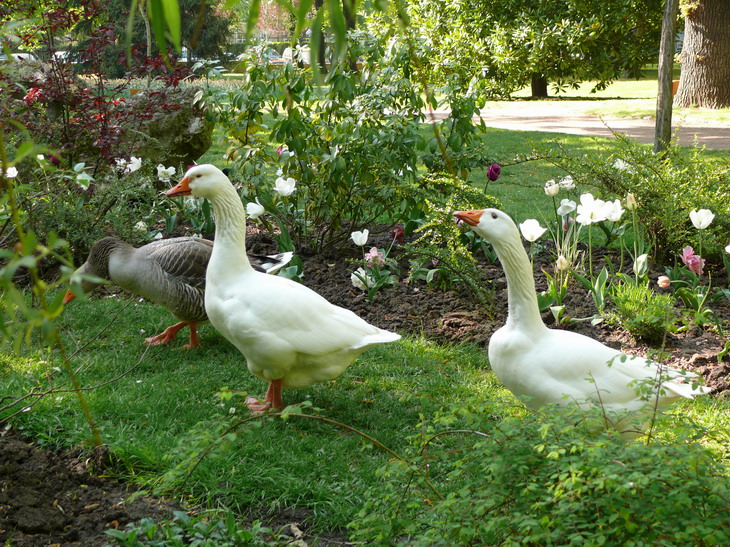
[561, 116]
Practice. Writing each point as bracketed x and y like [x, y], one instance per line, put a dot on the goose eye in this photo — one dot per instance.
[494, 216]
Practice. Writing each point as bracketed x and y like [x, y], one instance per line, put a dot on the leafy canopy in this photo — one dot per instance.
[499, 46]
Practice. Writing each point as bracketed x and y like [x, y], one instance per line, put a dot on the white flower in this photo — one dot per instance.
[701, 219]
[552, 188]
[130, 166]
[279, 172]
[140, 226]
[727, 249]
[41, 158]
[11, 173]
[133, 165]
[567, 206]
[531, 230]
[590, 210]
[562, 263]
[254, 210]
[567, 183]
[285, 187]
[164, 173]
[361, 280]
[613, 210]
[360, 238]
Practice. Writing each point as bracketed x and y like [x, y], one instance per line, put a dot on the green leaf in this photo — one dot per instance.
[171, 10]
[157, 16]
[253, 16]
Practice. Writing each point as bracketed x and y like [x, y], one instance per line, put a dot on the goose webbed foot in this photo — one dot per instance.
[169, 334]
[272, 400]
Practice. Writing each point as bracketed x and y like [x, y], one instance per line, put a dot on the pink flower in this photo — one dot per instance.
[664, 282]
[374, 256]
[692, 261]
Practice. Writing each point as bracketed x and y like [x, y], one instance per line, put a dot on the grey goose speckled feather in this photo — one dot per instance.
[169, 272]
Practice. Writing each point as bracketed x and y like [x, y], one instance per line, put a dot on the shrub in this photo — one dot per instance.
[644, 313]
[352, 145]
[544, 479]
[444, 253]
[667, 187]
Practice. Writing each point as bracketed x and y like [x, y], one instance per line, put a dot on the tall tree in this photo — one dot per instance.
[507, 44]
[705, 76]
[663, 126]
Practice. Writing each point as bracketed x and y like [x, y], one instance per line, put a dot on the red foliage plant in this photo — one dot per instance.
[76, 108]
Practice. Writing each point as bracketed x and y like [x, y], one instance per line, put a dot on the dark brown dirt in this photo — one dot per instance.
[48, 498]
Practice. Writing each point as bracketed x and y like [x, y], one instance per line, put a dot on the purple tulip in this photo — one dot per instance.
[493, 172]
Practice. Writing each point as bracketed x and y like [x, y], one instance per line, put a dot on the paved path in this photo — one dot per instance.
[564, 117]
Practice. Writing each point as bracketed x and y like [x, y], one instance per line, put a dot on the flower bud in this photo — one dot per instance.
[631, 203]
[664, 282]
[562, 263]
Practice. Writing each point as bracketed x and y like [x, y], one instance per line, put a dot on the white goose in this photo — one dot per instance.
[291, 336]
[169, 272]
[543, 366]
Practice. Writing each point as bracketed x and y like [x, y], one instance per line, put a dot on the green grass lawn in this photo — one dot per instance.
[157, 406]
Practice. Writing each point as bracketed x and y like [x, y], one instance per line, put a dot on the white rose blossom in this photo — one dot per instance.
[701, 219]
[285, 187]
[531, 230]
[360, 238]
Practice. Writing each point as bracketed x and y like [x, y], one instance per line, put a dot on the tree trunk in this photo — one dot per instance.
[348, 11]
[539, 85]
[663, 127]
[321, 54]
[705, 78]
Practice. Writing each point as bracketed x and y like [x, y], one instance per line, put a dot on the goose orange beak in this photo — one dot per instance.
[181, 189]
[68, 297]
[470, 217]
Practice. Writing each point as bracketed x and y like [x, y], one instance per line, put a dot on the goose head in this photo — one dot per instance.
[97, 265]
[492, 224]
[201, 180]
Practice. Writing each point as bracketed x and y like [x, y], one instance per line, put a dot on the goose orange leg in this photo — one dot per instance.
[271, 400]
[169, 334]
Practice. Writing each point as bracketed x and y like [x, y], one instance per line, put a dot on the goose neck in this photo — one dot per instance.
[523, 311]
[230, 227]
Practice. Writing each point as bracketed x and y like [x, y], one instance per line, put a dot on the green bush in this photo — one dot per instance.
[81, 210]
[544, 480]
[443, 253]
[352, 145]
[645, 314]
[667, 187]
